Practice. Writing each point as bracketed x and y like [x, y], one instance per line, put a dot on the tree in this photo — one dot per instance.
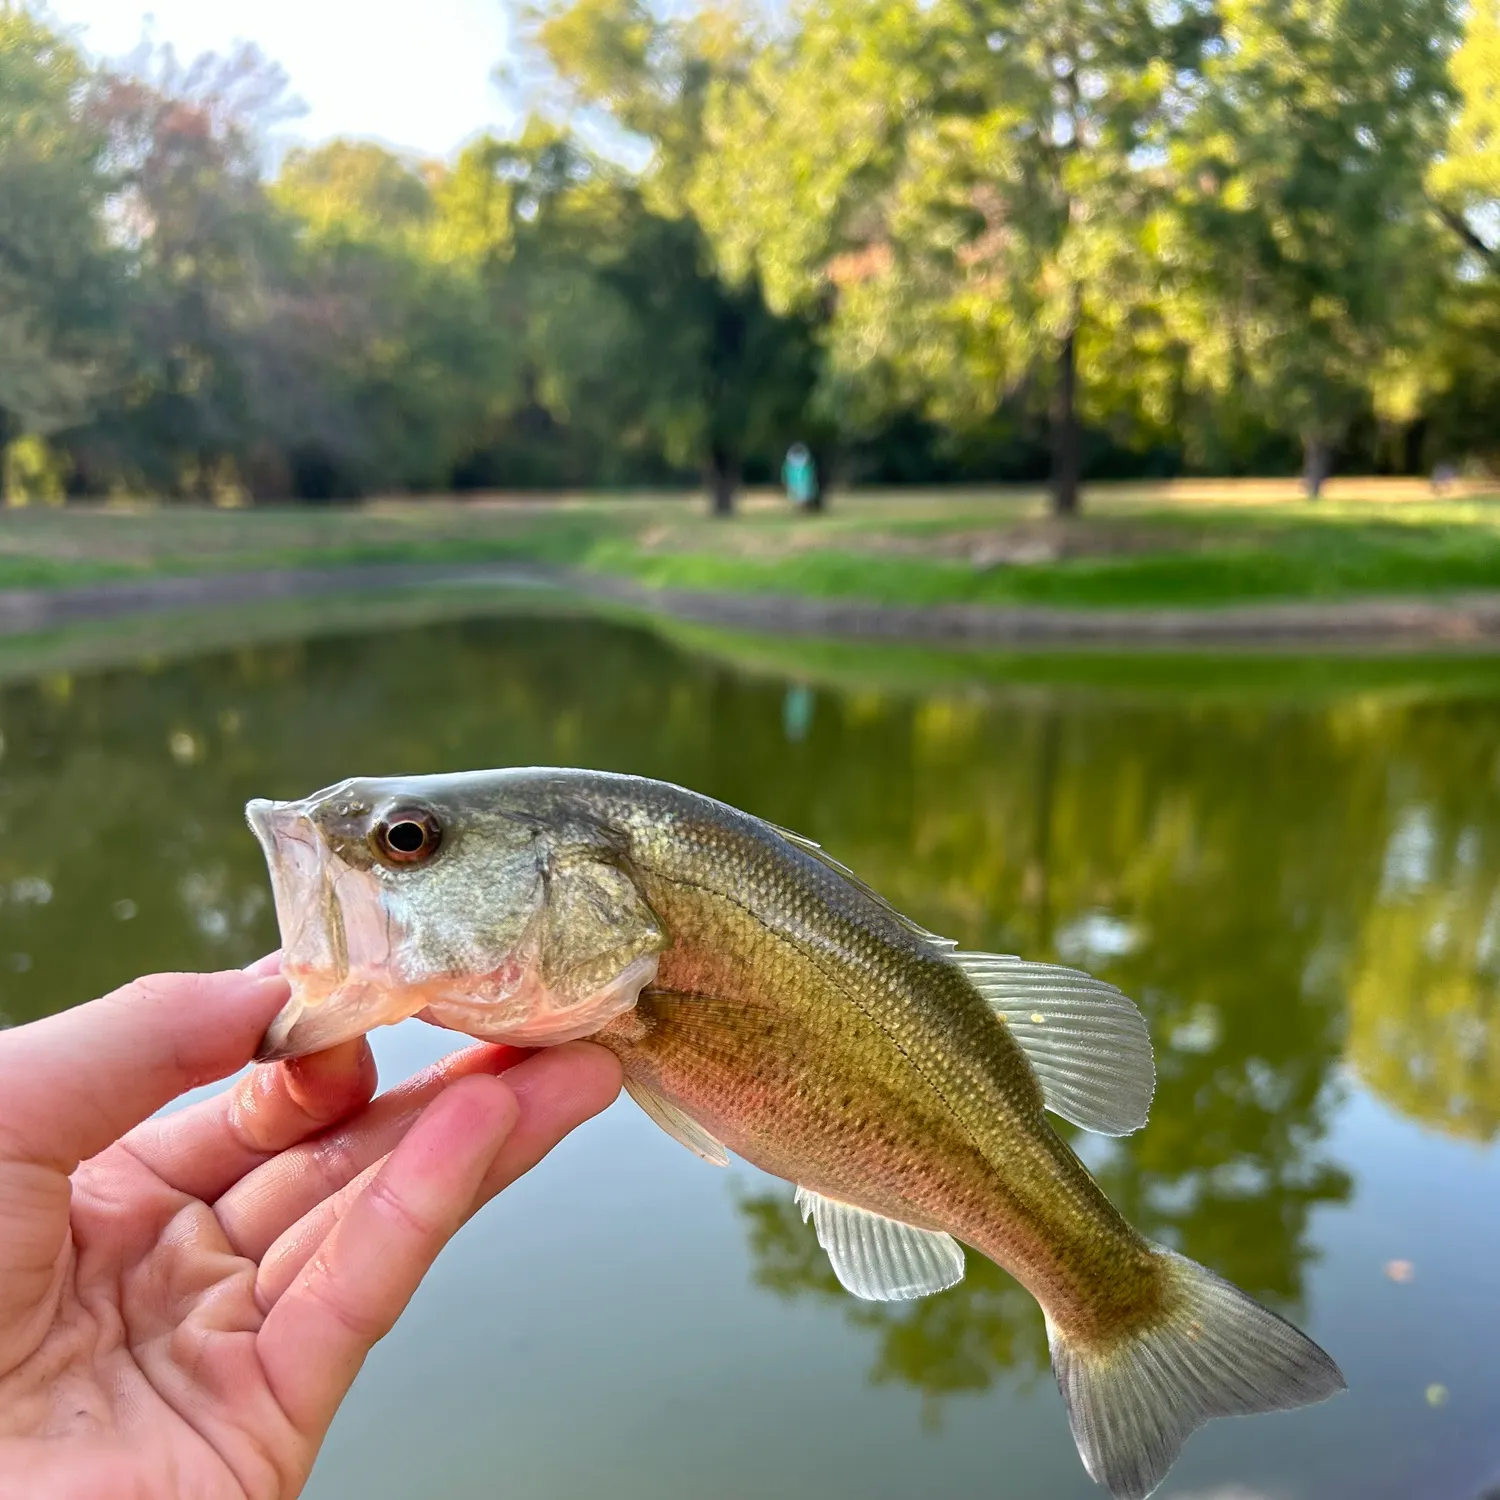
[528, 219]
[715, 375]
[57, 271]
[1302, 258]
[726, 377]
[354, 191]
[204, 372]
[409, 365]
[966, 183]
[966, 238]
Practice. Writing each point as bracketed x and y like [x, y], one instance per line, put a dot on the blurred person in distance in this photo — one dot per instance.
[799, 475]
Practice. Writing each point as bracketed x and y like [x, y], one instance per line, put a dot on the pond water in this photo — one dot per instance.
[1302, 891]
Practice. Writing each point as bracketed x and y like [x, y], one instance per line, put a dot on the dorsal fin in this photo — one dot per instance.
[817, 851]
[1086, 1042]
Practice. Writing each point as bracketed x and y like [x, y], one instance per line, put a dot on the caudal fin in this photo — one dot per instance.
[1214, 1352]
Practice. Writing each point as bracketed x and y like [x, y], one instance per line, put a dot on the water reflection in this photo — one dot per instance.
[960, 1341]
[1300, 893]
[1423, 997]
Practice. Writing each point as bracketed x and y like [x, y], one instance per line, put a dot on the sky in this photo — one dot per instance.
[414, 77]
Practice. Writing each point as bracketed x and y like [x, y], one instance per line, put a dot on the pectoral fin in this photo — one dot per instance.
[1087, 1044]
[880, 1259]
[677, 1124]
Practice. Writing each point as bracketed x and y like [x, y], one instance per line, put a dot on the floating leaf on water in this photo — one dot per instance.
[184, 748]
[1437, 1394]
[125, 909]
[31, 890]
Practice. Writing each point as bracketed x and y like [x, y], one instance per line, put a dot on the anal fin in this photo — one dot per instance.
[680, 1126]
[880, 1259]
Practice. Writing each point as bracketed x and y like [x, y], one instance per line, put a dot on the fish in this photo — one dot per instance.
[763, 1000]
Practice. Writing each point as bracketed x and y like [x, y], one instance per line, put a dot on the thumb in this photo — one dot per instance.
[76, 1082]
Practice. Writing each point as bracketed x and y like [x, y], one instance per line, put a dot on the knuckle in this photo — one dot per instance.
[334, 1162]
[324, 1287]
[387, 1201]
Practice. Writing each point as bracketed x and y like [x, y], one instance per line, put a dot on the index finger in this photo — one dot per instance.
[357, 1261]
[76, 1082]
[204, 1150]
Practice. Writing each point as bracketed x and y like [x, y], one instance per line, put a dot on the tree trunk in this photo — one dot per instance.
[1414, 445]
[820, 481]
[1067, 445]
[723, 479]
[1317, 464]
[1037, 886]
[10, 430]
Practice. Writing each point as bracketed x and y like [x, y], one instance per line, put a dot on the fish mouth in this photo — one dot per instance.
[339, 932]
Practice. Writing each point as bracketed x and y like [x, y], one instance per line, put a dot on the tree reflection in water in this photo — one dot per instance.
[958, 1342]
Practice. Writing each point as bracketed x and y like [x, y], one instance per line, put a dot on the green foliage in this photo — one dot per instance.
[1215, 204]
[971, 186]
[211, 372]
[352, 190]
[935, 239]
[407, 363]
[55, 267]
[725, 377]
[625, 66]
[538, 224]
[32, 471]
[1301, 246]
[1465, 179]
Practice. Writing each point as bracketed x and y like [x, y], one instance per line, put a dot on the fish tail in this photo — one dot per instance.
[1208, 1351]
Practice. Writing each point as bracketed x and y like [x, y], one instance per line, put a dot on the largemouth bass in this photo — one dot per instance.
[763, 1000]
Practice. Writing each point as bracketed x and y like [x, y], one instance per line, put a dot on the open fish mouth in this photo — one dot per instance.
[340, 932]
[369, 939]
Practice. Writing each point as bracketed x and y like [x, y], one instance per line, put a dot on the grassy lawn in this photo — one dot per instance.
[1135, 546]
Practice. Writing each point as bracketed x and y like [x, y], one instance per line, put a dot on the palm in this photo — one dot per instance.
[149, 1363]
[181, 1314]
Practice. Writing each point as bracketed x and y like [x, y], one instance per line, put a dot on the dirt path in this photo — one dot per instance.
[1470, 621]
[24, 611]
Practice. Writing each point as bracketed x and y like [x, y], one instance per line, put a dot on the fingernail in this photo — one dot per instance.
[270, 964]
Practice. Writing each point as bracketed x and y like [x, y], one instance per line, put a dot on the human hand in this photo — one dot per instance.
[184, 1302]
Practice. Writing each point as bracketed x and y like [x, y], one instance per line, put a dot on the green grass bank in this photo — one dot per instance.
[1135, 546]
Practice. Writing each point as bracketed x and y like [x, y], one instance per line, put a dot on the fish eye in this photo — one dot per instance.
[408, 837]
